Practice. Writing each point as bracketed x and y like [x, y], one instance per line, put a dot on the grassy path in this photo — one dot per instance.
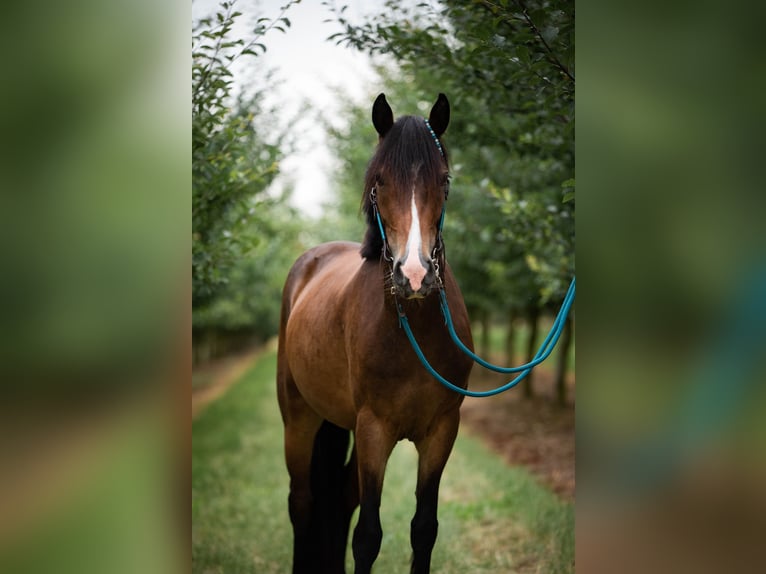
[493, 518]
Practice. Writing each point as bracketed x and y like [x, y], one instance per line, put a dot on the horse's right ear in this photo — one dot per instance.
[439, 118]
[382, 115]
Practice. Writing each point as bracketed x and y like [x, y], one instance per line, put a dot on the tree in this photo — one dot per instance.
[242, 238]
[234, 153]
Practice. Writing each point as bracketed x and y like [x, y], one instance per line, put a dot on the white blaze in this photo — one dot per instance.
[412, 268]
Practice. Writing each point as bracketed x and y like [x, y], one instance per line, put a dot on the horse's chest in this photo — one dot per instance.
[403, 395]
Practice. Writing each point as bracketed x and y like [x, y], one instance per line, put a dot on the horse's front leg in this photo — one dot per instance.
[373, 447]
[433, 451]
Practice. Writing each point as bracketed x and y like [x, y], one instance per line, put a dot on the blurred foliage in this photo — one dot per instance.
[91, 176]
[240, 246]
[250, 300]
[671, 423]
[94, 205]
[352, 140]
[508, 69]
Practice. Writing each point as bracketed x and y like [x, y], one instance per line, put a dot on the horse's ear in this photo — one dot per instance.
[439, 118]
[382, 115]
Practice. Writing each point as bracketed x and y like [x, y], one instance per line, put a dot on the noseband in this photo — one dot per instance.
[438, 251]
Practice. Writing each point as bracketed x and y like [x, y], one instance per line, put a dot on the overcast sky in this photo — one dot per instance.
[308, 68]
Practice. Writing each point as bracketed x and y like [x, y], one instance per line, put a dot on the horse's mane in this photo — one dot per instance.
[408, 143]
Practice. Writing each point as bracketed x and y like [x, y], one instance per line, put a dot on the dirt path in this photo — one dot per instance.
[218, 376]
[534, 433]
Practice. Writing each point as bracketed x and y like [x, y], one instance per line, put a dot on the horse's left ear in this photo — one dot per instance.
[382, 115]
[439, 118]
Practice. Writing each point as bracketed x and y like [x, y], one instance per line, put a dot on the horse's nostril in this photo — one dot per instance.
[399, 277]
[430, 277]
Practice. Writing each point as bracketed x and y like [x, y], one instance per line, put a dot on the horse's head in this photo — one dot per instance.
[406, 185]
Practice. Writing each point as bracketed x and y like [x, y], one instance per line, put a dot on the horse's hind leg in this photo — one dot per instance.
[299, 445]
[301, 427]
[332, 505]
[433, 452]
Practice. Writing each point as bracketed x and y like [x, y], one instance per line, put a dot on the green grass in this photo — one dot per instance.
[493, 518]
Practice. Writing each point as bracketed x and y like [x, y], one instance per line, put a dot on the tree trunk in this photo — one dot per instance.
[201, 344]
[563, 361]
[485, 333]
[534, 315]
[510, 340]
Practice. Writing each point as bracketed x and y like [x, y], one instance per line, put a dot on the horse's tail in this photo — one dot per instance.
[335, 491]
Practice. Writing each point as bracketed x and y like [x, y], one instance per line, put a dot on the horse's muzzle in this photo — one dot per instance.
[414, 285]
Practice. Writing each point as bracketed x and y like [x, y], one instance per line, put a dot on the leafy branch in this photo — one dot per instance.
[276, 24]
[225, 22]
[524, 17]
[551, 54]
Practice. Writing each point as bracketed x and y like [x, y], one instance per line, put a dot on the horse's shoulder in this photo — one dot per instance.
[318, 259]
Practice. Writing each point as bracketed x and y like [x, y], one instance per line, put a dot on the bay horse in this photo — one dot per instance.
[345, 365]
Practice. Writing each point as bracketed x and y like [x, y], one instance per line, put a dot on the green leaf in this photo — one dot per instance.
[522, 53]
[549, 34]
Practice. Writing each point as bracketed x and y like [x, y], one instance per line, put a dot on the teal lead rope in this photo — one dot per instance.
[542, 353]
[545, 348]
